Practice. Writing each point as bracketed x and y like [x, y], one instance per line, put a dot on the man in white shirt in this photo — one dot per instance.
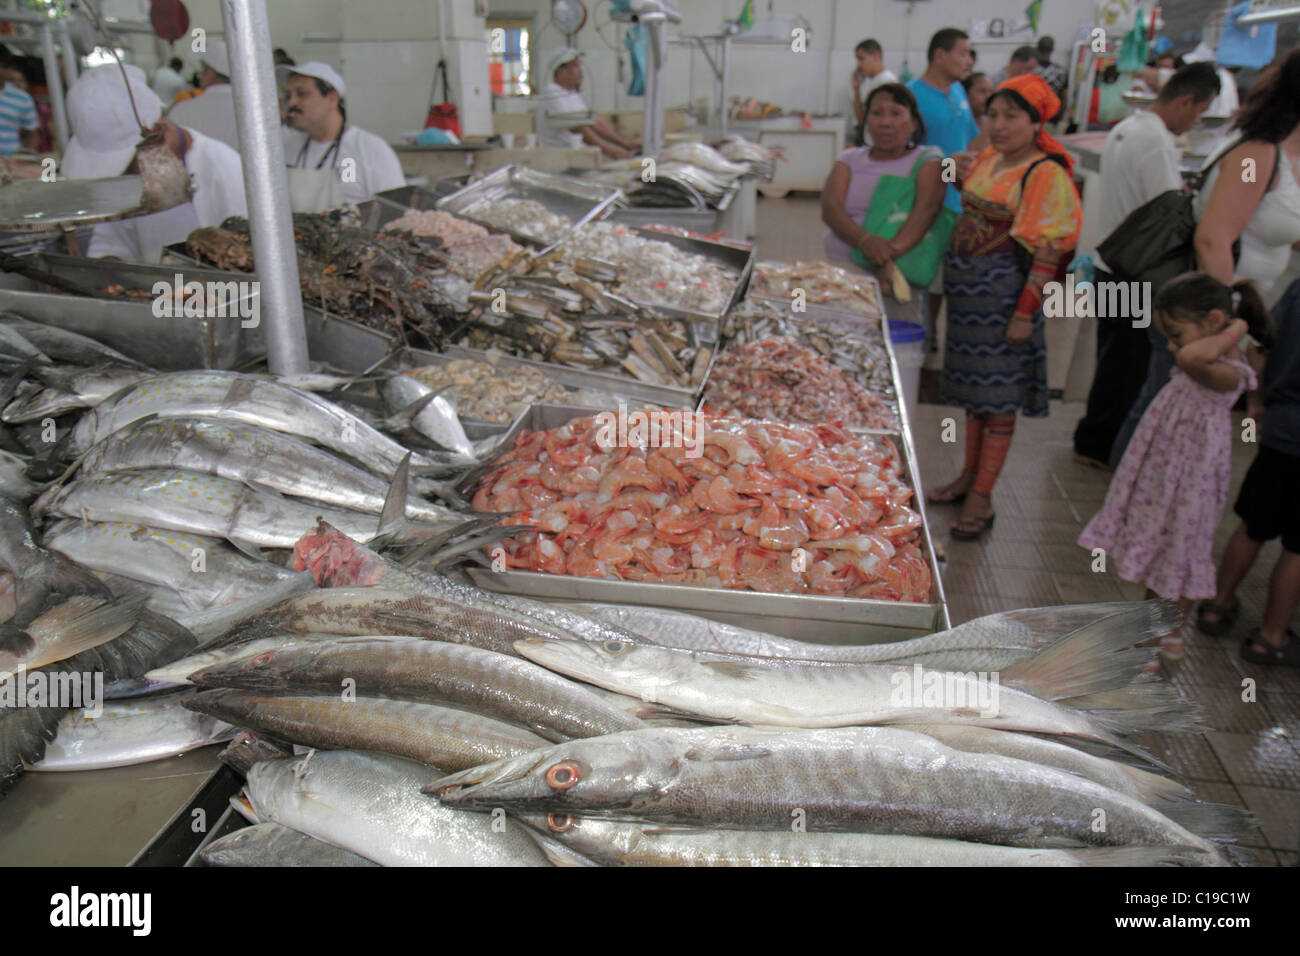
[167, 81]
[1138, 163]
[867, 75]
[105, 135]
[564, 68]
[213, 113]
[320, 137]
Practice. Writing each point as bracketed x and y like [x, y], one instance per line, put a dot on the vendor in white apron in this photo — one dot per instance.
[104, 138]
[330, 161]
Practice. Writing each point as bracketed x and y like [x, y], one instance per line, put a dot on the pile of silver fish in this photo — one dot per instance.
[488, 729]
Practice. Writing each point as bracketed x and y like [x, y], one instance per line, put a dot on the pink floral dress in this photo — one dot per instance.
[1157, 525]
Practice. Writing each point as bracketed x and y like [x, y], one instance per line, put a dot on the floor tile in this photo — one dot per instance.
[1085, 588]
[1261, 760]
[1224, 710]
[1189, 755]
[1278, 814]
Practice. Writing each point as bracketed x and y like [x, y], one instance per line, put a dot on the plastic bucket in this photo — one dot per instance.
[908, 340]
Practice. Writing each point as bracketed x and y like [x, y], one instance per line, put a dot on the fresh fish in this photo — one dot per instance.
[189, 501]
[801, 693]
[860, 779]
[411, 669]
[14, 482]
[129, 733]
[78, 624]
[206, 625]
[615, 843]
[70, 389]
[24, 731]
[992, 642]
[370, 804]
[269, 844]
[202, 571]
[447, 738]
[177, 672]
[39, 574]
[253, 455]
[230, 396]
[62, 345]
[428, 412]
[14, 343]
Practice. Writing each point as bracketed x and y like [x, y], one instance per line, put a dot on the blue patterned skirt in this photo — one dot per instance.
[982, 371]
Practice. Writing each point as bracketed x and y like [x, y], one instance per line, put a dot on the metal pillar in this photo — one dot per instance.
[70, 66]
[55, 85]
[257, 118]
[656, 85]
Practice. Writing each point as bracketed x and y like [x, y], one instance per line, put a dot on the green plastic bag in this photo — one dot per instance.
[887, 212]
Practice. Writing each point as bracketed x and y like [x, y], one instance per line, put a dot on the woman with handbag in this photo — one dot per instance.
[1020, 219]
[883, 202]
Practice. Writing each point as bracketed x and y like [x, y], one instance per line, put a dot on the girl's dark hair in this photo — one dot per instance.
[1016, 100]
[970, 81]
[1272, 108]
[901, 95]
[1190, 297]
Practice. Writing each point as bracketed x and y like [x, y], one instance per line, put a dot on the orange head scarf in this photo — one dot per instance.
[1035, 91]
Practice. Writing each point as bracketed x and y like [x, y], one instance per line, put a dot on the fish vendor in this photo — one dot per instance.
[104, 143]
[331, 162]
[561, 95]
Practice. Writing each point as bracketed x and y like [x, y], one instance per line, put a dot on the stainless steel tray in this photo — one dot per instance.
[801, 616]
[32, 205]
[129, 325]
[575, 199]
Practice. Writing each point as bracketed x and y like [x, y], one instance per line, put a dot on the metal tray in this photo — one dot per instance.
[33, 205]
[576, 199]
[130, 326]
[801, 616]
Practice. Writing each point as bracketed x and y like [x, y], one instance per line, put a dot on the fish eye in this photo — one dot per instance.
[563, 775]
[560, 822]
[614, 647]
[261, 660]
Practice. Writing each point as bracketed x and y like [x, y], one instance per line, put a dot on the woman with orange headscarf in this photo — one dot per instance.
[1020, 216]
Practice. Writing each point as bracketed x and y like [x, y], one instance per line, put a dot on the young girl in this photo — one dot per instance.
[1157, 525]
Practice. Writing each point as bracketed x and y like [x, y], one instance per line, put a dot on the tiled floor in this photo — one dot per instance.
[1251, 756]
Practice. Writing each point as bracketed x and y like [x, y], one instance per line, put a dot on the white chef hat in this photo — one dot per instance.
[104, 129]
[557, 59]
[316, 70]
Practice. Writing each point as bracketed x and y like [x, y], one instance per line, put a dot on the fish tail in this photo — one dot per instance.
[1152, 788]
[1219, 822]
[1181, 717]
[61, 578]
[83, 623]
[1097, 657]
[249, 748]
[1141, 856]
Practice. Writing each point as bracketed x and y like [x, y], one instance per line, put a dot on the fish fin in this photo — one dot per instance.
[15, 641]
[664, 712]
[1096, 657]
[1153, 788]
[83, 623]
[10, 387]
[726, 752]
[392, 517]
[1212, 821]
[556, 853]
[401, 420]
[247, 547]
[1136, 696]
[1138, 856]
[1178, 716]
[737, 670]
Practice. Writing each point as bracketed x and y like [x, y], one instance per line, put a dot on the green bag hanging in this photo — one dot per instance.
[890, 205]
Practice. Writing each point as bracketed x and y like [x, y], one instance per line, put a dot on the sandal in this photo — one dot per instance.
[975, 527]
[1227, 617]
[951, 497]
[1288, 656]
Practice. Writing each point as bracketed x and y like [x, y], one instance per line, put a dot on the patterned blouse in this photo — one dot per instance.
[1048, 214]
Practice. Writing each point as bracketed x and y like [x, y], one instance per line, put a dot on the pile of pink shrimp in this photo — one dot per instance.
[766, 506]
[785, 380]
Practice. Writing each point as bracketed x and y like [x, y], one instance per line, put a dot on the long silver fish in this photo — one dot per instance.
[70, 389]
[189, 501]
[230, 396]
[494, 685]
[861, 779]
[441, 736]
[129, 733]
[419, 407]
[177, 672]
[616, 843]
[817, 694]
[370, 804]
[254, 455]
[270, 844]
[203, 571]
[62, 345]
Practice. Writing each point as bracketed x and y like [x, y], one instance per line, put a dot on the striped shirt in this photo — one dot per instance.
[17, 112]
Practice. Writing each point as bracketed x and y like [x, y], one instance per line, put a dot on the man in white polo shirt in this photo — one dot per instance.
[321, 144]
[564, 72]
[213, 113]
[104, 138]
[1138, 162]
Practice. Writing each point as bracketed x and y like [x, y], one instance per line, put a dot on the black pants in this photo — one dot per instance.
[1122, 356]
